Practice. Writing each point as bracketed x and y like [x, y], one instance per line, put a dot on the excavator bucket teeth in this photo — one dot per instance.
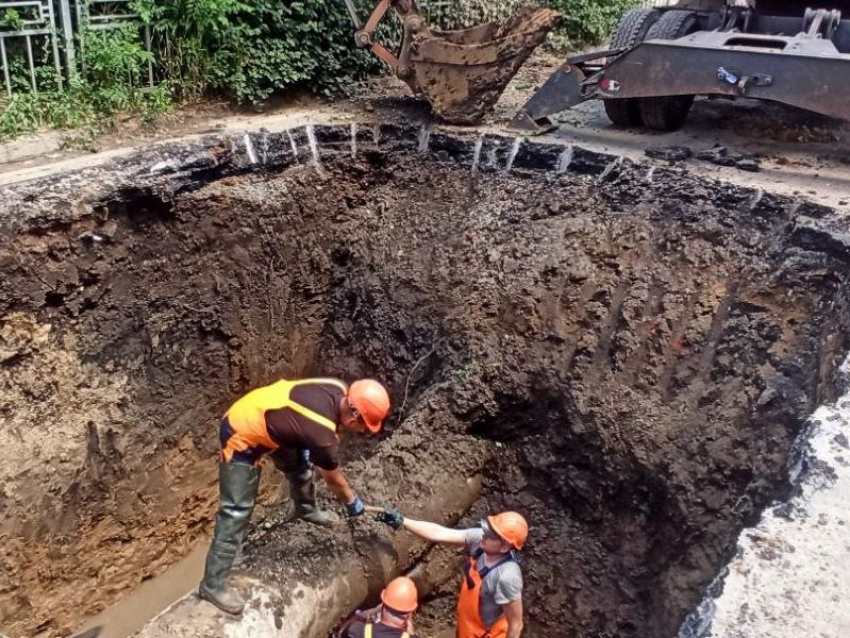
[463, 73]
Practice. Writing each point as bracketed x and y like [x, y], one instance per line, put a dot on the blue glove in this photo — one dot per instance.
[355, 508]
[391, 517]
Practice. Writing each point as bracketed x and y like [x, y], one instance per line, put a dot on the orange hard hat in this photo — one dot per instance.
[401, 595]
[371, 400]
[511, 528]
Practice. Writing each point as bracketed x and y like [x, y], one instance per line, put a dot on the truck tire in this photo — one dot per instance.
[630, 31]
[668, 113]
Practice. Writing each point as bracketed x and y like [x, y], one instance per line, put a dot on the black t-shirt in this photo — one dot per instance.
[290, 429]
[358, 630]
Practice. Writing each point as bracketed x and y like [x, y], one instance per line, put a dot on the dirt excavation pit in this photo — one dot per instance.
[625, 356]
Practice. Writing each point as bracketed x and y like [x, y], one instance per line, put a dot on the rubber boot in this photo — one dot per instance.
[302, 490]
[238, 486]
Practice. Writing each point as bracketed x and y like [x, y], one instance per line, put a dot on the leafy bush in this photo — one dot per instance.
[249, 50]
[188, 34]
[588, 21]
[582, 21]
[280, 45]
[114, 64]
[462, 14]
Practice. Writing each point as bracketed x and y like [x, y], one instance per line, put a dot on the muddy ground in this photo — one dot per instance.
[643, 350]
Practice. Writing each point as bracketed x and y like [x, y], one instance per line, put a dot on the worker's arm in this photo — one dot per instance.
[513, 612]
[326, 460]
[338, 485]
[436, 533]
[429, 531]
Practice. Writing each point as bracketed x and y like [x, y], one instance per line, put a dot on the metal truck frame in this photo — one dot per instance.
[662, 57]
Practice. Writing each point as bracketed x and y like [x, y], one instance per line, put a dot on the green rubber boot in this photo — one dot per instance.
[302, 490]
[238, 486]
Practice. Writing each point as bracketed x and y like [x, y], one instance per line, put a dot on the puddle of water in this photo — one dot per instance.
[151, 598]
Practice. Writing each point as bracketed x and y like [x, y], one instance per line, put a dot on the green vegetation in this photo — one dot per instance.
[245, 50]
[586, 22]
[248, 50]
[114, 65]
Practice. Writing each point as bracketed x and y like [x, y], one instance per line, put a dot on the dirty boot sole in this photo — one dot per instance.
[227, 600]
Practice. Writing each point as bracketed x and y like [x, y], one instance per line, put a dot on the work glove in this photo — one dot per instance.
[391, 517]
[355, 508]
[304, 457]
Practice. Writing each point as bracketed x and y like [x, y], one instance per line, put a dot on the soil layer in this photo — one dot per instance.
[643, 347]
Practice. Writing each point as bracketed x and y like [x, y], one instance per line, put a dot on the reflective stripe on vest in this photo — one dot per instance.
[307, 412]
[367, 631]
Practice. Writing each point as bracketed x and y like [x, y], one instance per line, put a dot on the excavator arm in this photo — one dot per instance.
[460, 73]
[412, 23]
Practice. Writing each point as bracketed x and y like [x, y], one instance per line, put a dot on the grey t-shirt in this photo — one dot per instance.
[501, 586]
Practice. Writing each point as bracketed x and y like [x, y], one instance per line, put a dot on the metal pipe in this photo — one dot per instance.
[150, 62]
[32, 65]
[68, 33]
[5, 66]
[56, 61]
[354, 17]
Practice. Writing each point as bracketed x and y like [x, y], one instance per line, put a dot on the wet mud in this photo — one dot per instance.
[624, 357]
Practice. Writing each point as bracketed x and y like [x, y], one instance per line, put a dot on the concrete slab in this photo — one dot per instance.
[35, 147]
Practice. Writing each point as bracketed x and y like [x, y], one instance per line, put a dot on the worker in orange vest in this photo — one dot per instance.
[296, 423]
[490, 601]
[394, 616]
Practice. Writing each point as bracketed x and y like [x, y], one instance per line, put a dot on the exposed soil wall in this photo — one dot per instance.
[646, 350]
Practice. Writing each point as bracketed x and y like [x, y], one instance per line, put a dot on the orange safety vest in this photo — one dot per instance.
[247, 416]
[367, 631]
[469, 621]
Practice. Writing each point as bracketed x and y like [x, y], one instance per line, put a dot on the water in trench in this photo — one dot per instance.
[626, 362]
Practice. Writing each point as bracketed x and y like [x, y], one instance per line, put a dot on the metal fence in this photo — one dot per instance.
[35, 20]
[57, 29]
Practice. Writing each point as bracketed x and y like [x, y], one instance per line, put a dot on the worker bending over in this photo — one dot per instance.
[490, 601]
[393, 618]
[296, 423]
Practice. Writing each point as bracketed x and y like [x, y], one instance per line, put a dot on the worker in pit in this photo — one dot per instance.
[393, 618]
[490, 602]
[296, 423]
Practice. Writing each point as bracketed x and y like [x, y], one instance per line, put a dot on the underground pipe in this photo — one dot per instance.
[320, 575]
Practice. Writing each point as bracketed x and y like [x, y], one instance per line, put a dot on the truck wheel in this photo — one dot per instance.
[668, 113]
[630, 31]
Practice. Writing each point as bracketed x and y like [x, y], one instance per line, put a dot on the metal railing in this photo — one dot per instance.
[35, 19]
[103, 15]
[64, 24]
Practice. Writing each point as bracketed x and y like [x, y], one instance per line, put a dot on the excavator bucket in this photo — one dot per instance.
[463, 73]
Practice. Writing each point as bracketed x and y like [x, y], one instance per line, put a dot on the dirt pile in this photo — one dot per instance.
[644, 350]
